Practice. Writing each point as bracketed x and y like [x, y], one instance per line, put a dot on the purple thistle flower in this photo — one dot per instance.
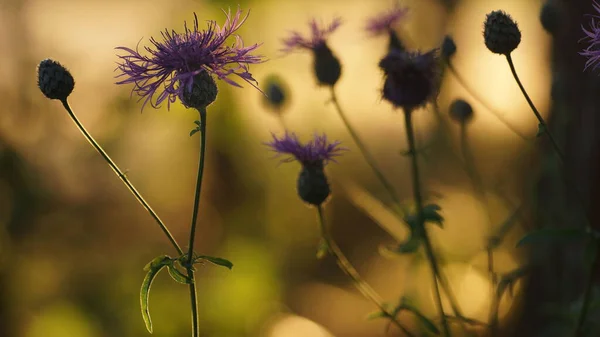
[316, 39]
[383, 23]
[410, 78]
[592, 52]
[170, 68]
[317, 151]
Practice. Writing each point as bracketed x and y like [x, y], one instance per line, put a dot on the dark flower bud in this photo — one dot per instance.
[395, 43]
[327, 67]
[448, 47]
[276, 94]
[501, 33]
[202, 92]
[461, 111]
[54, 80]
[313, 186]
[550, 16]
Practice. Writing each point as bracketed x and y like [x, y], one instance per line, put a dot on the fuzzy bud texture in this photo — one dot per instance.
[54, 80]
[501, 33]
[201, 93]
[461, 111]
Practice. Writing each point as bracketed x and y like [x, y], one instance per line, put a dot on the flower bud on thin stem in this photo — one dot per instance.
[501, 33]
[54, 80]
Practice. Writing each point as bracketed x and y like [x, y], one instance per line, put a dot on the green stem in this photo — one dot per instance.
[122, 176]
[366, 154]
[190, 254]
[587, 293]
[420, 221]
[347, 267]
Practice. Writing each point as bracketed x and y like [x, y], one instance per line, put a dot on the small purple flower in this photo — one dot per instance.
[317, 151]
[317, 37]
[384, 22]
[173, 63]
[410, 78]
[592, 52]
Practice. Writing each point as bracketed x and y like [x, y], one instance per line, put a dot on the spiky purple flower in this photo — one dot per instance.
[316, 151]
[318, 36]
[592, 35]
[384, 22]
[171, 66]
[411, 78]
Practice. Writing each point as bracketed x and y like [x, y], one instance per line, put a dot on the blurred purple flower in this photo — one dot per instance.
[316, 151]
[410, 78]
[592, 35]
[383, 23]
[316, 39]
[174, 62]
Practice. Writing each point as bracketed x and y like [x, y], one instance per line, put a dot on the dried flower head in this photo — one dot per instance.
[314, 152]
[172, 64]
[327, 67]
[54, 80]
[384, 22]
[501, 33]
[592, 36]
[410, 78]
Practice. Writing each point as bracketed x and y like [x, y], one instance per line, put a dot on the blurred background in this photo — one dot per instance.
[73, 241]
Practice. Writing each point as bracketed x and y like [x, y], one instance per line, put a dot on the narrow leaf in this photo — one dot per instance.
[430, 214]
[177, 275]
[548, 235]
[152, 268]
[215, 260]
[323, 249]
[411, 245]
[194, 131]
[426, 321]
[376, 314]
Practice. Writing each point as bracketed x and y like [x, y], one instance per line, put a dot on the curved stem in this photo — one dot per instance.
[366, 154]
[420, 221]
[347, 267]
[122, 176]
[190, 254]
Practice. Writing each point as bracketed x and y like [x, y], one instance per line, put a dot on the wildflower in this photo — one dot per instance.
[592, 36]
[410, 78]
[384, 24]
[54, 80]
[501, 33]
[461, 111]
[312, 183]
[326, 65]
[184, 60]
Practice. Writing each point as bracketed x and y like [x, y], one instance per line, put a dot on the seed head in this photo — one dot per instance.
[54, 80]
[501, 33]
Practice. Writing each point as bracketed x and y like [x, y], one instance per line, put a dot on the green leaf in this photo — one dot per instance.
[322, 249]
[194, 131]
[215, 260]
[548, 235]
[197, 123]
[376, 314]
[411, 245]
[152, 268]
[430, 214]
[424, 320]
[177, 275]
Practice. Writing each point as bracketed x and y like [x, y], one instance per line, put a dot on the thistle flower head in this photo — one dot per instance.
[54, 80]
[384, 22]
[592, 36]
[316, 152]
[410, 78]
[172, 64]
[317, 38]
[501, 33]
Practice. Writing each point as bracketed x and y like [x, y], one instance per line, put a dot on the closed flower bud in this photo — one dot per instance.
[326, 66]
[448, 48]
[202, 93]
[501, 33]
[276, 94]
[550, 16]
[461, 111]
[54, 80]
[313, 186]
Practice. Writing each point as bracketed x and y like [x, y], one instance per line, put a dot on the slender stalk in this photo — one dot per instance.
[190, 254]
[347, 267]
[479, 190]
[587, 293]
[421, 223]
[365, 152]
[122, 176]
